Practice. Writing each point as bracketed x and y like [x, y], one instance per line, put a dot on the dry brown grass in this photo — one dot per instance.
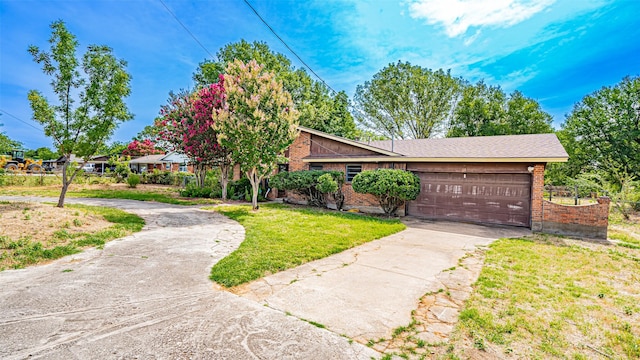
[40, 222]
[34, 233]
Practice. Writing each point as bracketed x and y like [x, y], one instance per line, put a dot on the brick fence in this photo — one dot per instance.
[582, 220]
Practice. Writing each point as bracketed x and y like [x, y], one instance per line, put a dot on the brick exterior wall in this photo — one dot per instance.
[300, 149]
[352, 199]
[589, 221]
[537, 194]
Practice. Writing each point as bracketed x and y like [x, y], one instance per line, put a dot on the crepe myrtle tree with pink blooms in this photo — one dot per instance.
[141, 148]
[186, 124]
[256, 121]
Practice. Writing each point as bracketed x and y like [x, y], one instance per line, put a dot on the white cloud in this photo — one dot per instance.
[457, 16]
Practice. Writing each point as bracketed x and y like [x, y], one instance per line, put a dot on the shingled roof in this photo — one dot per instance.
[507, 146]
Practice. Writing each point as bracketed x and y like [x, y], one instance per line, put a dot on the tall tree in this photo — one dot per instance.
[407, 102]
[83, 128]
[318, 108]
[479, 112]
[605, 129]
[187, 125]
[525, 116]
[257, 122]
[486, 110]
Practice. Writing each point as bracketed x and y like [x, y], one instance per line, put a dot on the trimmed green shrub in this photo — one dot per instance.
[392, 187]
[133, 180]
[331, 183]
[194, 191]
[306, 183]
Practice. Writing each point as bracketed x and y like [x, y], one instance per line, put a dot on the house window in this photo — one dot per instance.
[352, 171]
[183, 167]
[283, 168]
[315, 166]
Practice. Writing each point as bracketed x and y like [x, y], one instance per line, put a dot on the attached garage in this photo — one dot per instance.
[487, 180]
[490, 195]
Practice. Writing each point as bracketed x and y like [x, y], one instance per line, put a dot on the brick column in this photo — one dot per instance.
[537, 193]
[300, 148]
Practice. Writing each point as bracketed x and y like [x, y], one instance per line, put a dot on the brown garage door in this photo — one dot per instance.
[481, 198]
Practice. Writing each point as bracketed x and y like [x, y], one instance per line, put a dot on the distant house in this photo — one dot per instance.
[165, 162]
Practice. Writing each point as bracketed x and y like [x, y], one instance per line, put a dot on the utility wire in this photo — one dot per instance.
[186, 29]
[287, 46]
[17, 118]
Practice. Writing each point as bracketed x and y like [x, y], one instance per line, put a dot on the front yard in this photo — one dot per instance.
[549, 297]
[34, 233]
[279, 237]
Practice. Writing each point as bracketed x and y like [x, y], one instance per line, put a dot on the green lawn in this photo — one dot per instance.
[279, 237]
[539, 298]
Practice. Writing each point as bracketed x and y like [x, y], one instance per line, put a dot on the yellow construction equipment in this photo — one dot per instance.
[15, 161]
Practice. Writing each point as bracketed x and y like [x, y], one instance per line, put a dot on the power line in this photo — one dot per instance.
[186, 29]
[287, 46]
[17, 118]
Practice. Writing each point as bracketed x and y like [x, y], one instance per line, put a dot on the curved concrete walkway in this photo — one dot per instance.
[148, 296]
[367, 291]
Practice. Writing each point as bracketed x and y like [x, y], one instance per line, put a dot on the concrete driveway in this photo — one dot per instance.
[148, 296]
[367, 291]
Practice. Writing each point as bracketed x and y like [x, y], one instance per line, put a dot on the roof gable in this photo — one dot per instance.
[360, 145]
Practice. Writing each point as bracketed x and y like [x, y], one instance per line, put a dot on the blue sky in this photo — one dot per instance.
[555, 51]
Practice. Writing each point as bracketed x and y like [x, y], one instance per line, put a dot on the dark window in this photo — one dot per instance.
[353, 170]
[315, 166]
[283, 168]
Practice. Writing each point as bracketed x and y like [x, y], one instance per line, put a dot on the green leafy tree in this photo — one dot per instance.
[318, 109]
[43, 153]
[149, 132]
[392, 187]
[480, 111]
[407, 102]
[486, 110]
[89, 108]
[7, 144]
[257, 121]
[604, 130]
[525, 116]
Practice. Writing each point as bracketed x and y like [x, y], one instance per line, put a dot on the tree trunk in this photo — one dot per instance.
[66, 181]
[255, 181]
[201, 174]
[224, 179]
[65, 185]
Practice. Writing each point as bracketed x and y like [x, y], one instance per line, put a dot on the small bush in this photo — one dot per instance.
[331, 183]
[133, 180]
[194, 191]
[121, 169]
[307, 184]
[236, 190]
[392, 187]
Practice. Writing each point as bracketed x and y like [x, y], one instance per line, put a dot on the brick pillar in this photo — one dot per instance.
[300, 148]
[537, 192]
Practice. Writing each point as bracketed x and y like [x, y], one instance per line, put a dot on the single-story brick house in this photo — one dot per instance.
[487, 180]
